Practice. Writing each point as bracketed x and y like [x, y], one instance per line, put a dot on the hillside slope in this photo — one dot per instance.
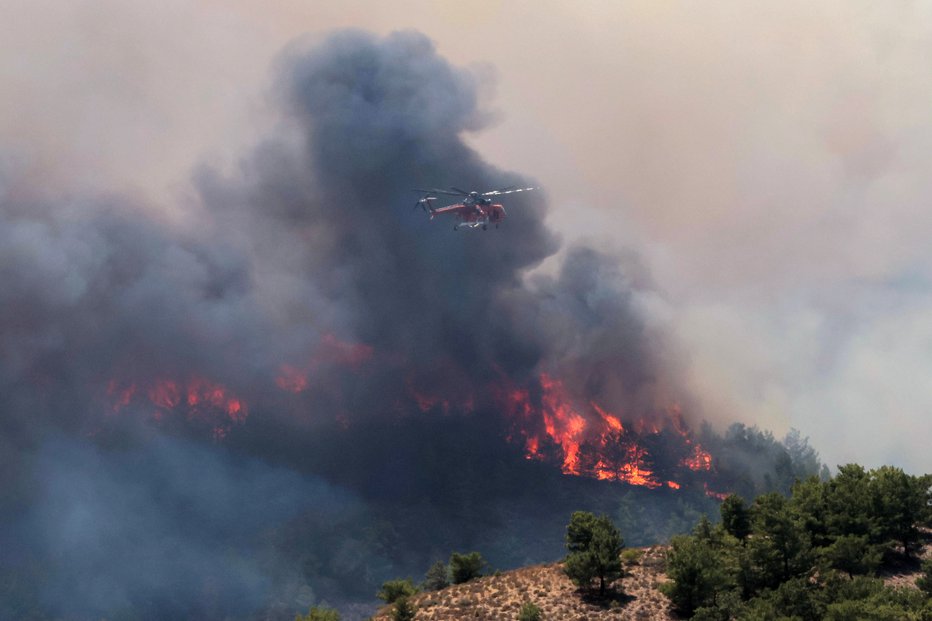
[500, 597]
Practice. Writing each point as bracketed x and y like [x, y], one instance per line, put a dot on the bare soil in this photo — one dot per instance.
[500, 597]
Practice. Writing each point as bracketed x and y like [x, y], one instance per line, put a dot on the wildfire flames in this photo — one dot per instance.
[583, 437]
[197, 399]
[593, 442]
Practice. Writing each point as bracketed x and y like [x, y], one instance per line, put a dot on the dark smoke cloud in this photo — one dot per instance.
[312, 241]
[381, 117]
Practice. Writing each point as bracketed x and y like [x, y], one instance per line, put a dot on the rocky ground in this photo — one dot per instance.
[501, 596]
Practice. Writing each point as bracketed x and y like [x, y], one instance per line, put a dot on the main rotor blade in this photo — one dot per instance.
[498, 191]
[435, 192]
[463, 192]
[507, 191]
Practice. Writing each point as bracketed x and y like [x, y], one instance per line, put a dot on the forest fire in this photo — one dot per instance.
[589, 440]
[582, 437]
[197, 399]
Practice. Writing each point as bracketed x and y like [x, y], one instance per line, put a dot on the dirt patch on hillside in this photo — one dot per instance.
[498, 598]
[904, 573]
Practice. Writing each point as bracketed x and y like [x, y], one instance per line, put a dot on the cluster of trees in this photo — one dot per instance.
[811, 555]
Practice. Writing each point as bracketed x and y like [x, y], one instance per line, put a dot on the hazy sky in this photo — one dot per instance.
[769, 161]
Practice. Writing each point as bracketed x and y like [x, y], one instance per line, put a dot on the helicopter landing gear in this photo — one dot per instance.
[484, 227]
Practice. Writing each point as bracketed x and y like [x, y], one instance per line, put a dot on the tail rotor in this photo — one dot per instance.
[424, 203]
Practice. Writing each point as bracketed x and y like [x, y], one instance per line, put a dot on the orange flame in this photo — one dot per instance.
[197, 398]
[714, 494]
[592, 441]
[701, 460]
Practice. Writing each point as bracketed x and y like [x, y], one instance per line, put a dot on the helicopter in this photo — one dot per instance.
[474, 210]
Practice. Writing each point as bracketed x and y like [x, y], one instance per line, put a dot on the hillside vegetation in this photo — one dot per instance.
[853, 547]
[817, 554]
[548, 587]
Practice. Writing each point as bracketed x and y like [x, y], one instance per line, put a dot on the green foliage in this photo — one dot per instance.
[848, 503]
[864, 598]
[781, 551]
[853, 554]
[631, 556]
[809, 503]
[797, 598]
[394, 589]
[808, 557]
[736, 517]
[900, 503]
[697, 571]
[925, 580]
[465, 567]
[705, 530]
[437, 577]
[319, 614]
[579, 531]
[403, 610]
[529, 612]
[594, 546]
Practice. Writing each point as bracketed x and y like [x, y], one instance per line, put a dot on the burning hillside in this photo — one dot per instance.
[280, 395]
[573, 433]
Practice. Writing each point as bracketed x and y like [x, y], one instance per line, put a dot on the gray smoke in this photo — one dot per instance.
[312, 238]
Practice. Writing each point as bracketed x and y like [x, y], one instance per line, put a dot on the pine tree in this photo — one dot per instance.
[594, 546]
[465, 567]
[736, 517]
[403, 610]
[392, 590]
[697, 574]
[437, 577]
[899, 501]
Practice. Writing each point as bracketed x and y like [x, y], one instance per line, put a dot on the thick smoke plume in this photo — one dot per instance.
[175, 394]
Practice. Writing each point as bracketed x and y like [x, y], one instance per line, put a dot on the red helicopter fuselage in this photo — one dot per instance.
[473, 215]
[474, 210]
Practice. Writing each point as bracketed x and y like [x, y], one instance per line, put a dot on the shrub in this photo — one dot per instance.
[394, 589]
[529, 612]
[465, 567]
[631, 556]
[437, 577]
[319, 614]
[924, 582]
[403, 610]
